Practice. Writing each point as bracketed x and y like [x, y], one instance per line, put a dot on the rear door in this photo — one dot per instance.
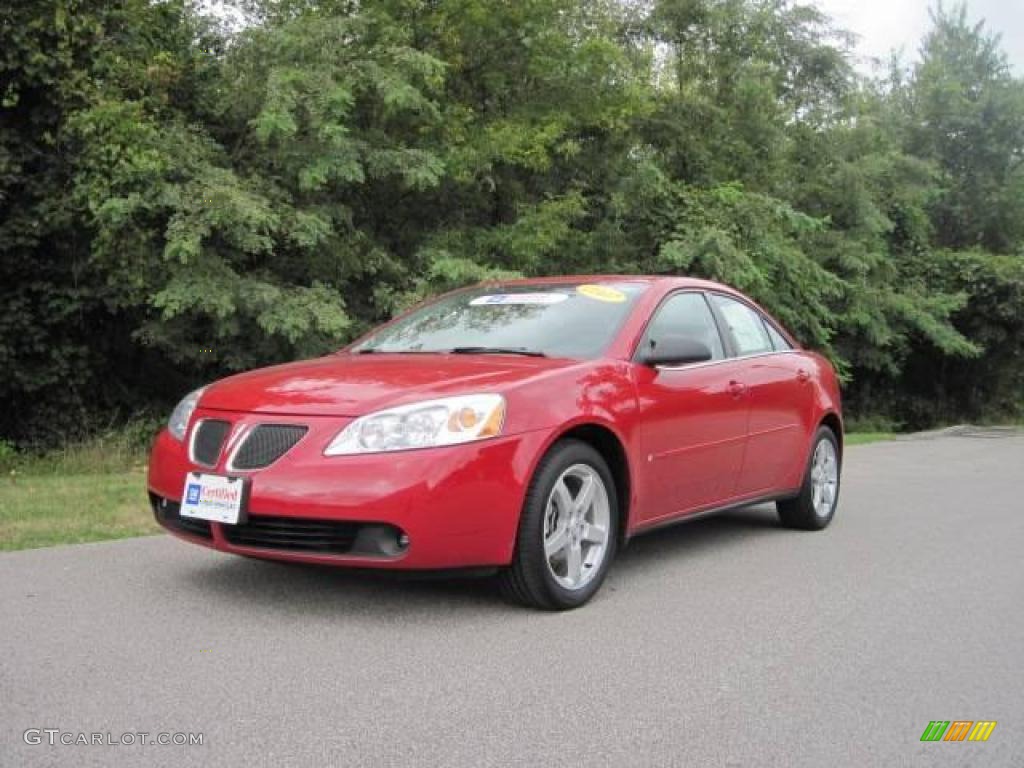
[779, 395]
[693, 417]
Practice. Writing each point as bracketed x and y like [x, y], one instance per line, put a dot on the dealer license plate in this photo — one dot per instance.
[217, 498]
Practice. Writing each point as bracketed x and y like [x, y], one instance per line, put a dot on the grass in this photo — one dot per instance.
[42, 510]
[863, 438]
[96, 490]
[92, 490]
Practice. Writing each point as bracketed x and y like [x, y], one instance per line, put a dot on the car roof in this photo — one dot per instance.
[668, 281]
[666, 284]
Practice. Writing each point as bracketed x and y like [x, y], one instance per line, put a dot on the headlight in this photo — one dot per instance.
[449, 421]
[178, 422]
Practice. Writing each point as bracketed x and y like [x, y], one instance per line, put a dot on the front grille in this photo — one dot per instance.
[266, 444]
[295, 534]
[168, 513]
[209, 438]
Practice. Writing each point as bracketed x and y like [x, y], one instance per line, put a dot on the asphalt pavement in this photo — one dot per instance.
[727, 641]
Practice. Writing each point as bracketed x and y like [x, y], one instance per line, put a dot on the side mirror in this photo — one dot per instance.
[675, 350]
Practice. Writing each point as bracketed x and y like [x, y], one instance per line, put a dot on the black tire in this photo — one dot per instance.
[528, 580]
[799, 512]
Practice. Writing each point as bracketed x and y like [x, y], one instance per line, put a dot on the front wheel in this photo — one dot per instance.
[567, 531]
[815, 506]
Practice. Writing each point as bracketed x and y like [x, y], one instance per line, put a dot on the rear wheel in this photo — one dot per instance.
[815, 506]
[566, 539]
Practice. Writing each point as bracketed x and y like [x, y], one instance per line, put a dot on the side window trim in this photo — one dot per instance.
[729, 344]
[768, 333]
[773, 332]
[724, 339]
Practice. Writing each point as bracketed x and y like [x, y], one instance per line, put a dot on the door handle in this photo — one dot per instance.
[737, 389]
[803, 376]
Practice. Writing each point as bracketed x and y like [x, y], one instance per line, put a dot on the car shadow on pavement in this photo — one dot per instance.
[702, 536]
[316, 589]
[312, 589]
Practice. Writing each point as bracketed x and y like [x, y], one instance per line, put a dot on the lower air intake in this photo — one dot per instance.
[295, 534]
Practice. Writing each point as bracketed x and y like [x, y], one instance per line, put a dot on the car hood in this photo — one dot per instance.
[353, 385]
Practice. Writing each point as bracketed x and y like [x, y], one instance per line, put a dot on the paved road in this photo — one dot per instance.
[729, 641]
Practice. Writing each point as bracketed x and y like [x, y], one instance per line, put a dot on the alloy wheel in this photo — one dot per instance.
[576, 526]
[824, 478]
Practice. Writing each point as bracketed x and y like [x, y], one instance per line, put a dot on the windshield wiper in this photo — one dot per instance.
[454, 351]
[379, 351]
[497, 351]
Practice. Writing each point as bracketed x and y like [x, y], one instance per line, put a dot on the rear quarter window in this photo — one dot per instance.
[778, 340]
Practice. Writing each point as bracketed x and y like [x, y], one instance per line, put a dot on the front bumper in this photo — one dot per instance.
[458, 505]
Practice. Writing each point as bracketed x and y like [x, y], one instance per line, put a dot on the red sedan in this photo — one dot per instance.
[533, 426]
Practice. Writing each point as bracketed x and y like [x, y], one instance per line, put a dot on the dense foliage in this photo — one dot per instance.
[180, 199]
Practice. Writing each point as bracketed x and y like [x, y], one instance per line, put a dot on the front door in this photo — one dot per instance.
[693, 419]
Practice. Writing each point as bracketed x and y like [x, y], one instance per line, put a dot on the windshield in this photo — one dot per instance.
[555, 320]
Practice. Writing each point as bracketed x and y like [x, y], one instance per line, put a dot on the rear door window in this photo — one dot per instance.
[745, 326]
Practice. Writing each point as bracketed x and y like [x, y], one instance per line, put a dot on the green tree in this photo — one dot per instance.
[964, 111]
[180, 199]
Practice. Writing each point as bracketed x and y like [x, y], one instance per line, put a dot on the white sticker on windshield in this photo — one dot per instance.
[518, 298]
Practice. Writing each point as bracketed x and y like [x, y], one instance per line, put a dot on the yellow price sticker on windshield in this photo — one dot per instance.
[602, 293]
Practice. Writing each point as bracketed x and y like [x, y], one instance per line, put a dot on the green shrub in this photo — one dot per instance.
[8, 456]
[113, 450]
[869, 423]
